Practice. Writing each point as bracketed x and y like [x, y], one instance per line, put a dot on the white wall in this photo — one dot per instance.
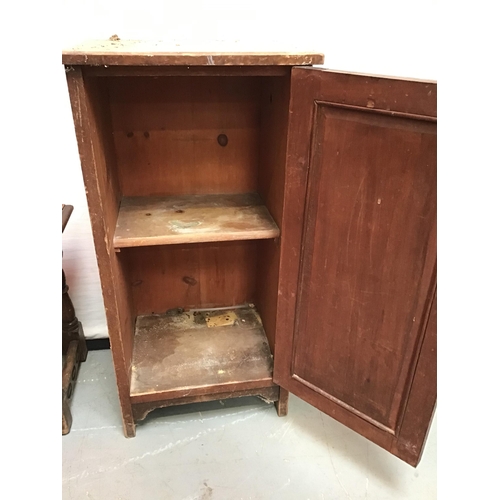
[386, 38]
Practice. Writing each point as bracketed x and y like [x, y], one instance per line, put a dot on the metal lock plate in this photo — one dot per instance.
[223, 319]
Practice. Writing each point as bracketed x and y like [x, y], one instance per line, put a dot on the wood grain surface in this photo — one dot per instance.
[145, 221]
[177, 354]
[192, 275]
[150, 53]
[359, 239]
[166, 132]
[92, 121]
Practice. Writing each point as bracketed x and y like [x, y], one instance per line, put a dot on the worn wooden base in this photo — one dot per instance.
[196, 352]
[194, 356]
[274, 394]
[268, 394]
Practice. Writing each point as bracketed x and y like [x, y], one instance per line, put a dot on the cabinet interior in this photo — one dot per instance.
[194, 168]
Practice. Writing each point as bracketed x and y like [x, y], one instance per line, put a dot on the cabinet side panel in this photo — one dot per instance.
[275, 99]
[89, 105]
[274, 108]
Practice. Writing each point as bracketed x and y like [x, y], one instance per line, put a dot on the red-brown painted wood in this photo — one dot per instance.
[358, 249]
[92, 128]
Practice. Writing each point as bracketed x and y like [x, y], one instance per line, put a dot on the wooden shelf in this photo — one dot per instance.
[146, 221]
[199, 352]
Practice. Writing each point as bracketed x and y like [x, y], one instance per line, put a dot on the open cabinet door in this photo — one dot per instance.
[356, 333]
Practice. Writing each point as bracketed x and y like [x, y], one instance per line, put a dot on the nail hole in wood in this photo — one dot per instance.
[148, 214]
[130, 134]
[179, 211]
[222, 140]
[146, 135]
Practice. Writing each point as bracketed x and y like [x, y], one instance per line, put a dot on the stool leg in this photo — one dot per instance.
[75, 348]
[67, 419]
[71, 327]
[69, 375]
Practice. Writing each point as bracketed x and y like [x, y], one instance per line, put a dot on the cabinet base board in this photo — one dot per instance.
[268, 394]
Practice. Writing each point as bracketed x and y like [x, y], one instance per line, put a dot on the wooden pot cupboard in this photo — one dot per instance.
[262, 226]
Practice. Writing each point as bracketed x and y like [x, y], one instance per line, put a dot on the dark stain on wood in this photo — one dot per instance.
[189, 280]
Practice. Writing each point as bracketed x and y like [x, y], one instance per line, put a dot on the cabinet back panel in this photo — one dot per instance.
[166, 133]
[191, 275]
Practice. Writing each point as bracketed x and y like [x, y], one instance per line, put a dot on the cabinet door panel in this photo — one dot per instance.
[359, 259]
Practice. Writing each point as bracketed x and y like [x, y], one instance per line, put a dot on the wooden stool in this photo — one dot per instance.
[73, 342]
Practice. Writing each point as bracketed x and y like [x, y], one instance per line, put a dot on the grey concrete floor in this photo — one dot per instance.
[236, 449]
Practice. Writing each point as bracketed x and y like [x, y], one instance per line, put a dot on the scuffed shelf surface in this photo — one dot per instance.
[193, 352]
[146, 221]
